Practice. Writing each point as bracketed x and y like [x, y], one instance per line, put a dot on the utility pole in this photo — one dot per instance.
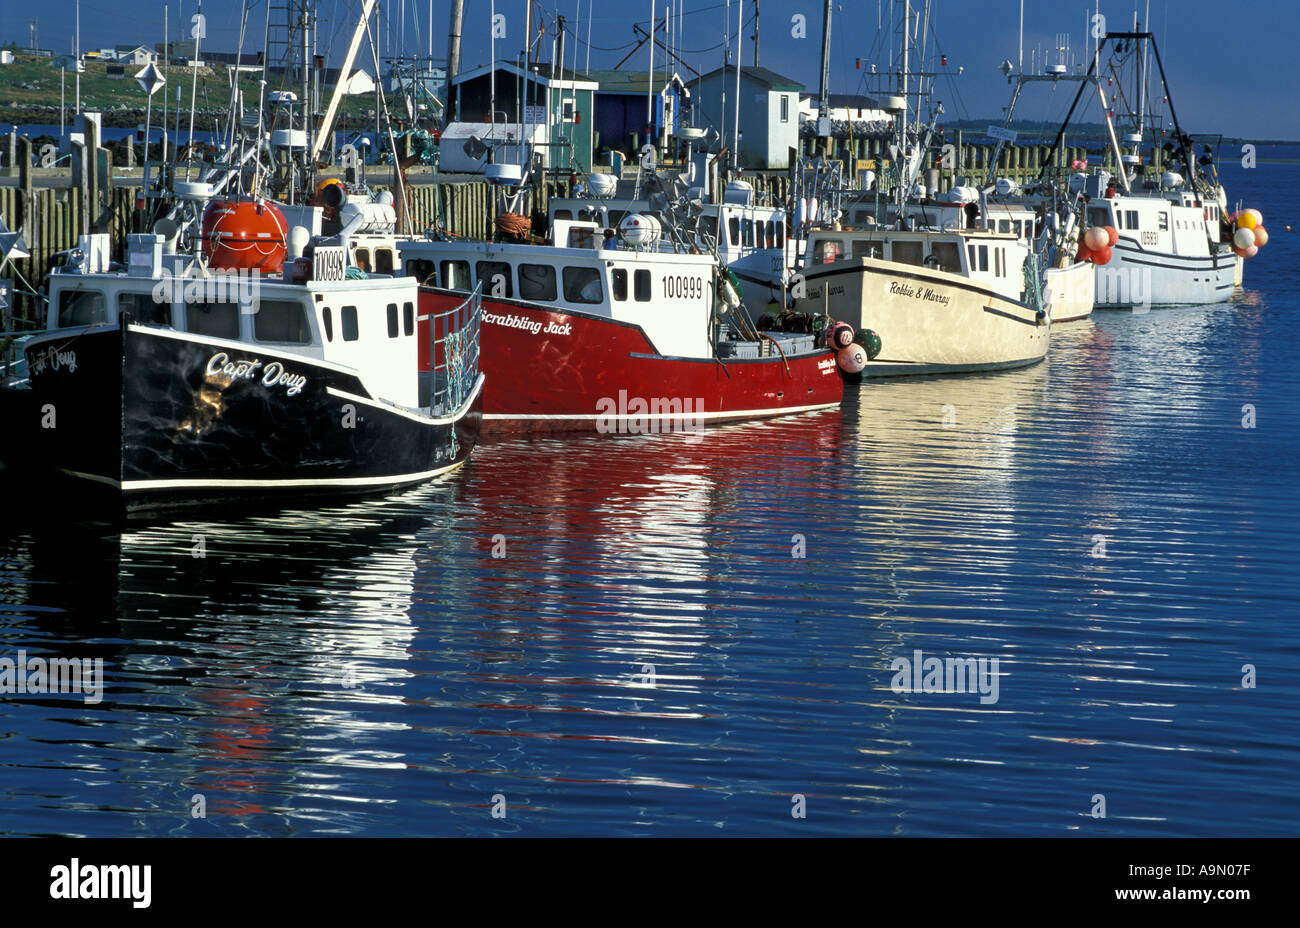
[453, 55]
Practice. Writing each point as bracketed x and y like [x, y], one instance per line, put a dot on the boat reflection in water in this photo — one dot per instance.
[289, 673]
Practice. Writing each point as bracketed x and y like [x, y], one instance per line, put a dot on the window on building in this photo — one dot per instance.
[619, 277]
[641, 281]
[281, 321]
[495, 278]
[81, 307]
[785, 107]
[454, 274]
[217, 320]
[537, 282]
[582, 285]
[348, 320]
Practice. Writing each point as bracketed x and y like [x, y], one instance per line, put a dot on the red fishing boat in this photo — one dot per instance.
[634, 339]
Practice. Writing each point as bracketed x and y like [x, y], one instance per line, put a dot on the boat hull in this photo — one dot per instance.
[1070, 292]
[928, 321]
[157, 419]
[552, 369]
[1137, 278]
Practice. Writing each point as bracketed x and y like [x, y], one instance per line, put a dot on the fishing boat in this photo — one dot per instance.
[628, 339]
[944, 291]
[1175, 240]
[255, 369]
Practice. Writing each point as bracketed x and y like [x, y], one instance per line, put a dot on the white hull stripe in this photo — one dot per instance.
[575, 417]
[402, 411]
[250, 484]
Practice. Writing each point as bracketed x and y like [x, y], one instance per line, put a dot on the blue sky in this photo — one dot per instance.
[1232, 66]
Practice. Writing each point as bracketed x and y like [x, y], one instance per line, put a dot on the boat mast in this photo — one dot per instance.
[823, 98]
[903, 156]
[453, 55]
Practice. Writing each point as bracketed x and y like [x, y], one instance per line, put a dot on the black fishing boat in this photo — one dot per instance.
[179, 380]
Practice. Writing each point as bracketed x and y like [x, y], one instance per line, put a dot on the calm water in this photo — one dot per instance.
[374, 670]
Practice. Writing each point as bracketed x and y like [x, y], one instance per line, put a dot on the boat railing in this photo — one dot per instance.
[454, 352]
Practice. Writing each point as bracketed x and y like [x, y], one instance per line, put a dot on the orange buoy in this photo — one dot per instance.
[245, 235]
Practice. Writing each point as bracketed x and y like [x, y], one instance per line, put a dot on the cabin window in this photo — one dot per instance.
[748, 234]
[218, 320]
[1100, 216]
[642, 284]
[984, 257]
[454, 274]
[392, 320]
[495, 278]
[709, 228]
[581, 238]
[1162, 218]
[362, 258]
[620, 284]
[616, 216]
[582, 285]
[281, 321]
[1004, 225]
[780, 233]
[830, 250]
[327, 323]
[564, 214]
[422, 270]
[537, 282]
[408, 318]
[1132, 219]
[733, 230]
[143, 308]
[81, 307]
[348, 319]
[948, 255]
[384, 260]
[970, 253]
[865, 248]
[906, 252]
[771, 234]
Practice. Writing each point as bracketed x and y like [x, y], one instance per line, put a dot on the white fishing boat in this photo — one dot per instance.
[943, 290]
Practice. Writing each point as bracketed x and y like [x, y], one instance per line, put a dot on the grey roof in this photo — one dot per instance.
[613, 80]
[770, 79]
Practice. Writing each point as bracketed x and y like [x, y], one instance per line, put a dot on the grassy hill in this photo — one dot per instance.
[29, 93]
